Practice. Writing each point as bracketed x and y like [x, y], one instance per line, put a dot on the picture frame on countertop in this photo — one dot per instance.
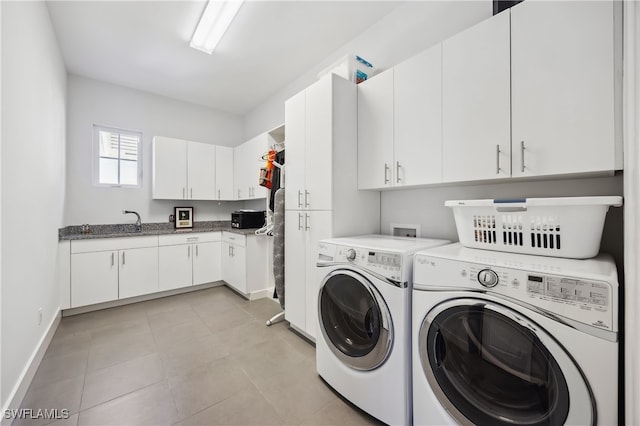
[183, 217]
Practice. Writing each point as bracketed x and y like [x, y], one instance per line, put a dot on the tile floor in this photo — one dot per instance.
[200, 358]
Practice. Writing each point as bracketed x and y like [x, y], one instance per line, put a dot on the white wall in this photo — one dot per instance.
[33, 182]
[406, 31]
[93, 102]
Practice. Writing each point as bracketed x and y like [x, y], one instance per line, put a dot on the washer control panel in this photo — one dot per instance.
[384, 263]
[590, 301]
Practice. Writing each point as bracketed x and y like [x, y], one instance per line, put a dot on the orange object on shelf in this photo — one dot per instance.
[266, 172]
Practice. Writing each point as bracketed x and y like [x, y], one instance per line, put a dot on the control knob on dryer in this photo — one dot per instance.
[488, 278]
[351, 255]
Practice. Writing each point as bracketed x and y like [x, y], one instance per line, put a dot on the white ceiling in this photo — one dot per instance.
[145, 45]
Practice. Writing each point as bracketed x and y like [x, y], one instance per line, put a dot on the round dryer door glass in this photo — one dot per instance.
[491, 369]
[354, 320]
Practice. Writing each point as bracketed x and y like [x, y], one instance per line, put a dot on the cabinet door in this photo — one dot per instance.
[318, 146]
[257, 148]
[295, 266]
[94, 277]
[318, 227]
[206, 262]
[375, 132]
[476, 102]
[294, 118]
[138, 272]
[417, 119]
[563, 83]
[169, 168]
[174, 266]
[230, 265]
[201, 176]
[240, 181]
[224, 173]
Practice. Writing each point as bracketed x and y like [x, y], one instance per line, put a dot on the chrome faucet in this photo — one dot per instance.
[138, 222]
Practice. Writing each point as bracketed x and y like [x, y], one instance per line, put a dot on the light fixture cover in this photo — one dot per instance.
[215, 20]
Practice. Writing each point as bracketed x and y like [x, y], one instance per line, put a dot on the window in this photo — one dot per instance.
[117, 157]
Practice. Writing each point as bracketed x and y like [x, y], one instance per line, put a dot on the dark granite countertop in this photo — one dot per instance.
[74, 232]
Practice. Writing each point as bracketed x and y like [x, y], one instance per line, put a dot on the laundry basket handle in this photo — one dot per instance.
[511, 205]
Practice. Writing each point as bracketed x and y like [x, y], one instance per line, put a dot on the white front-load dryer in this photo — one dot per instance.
[364, 321]
[511, 339]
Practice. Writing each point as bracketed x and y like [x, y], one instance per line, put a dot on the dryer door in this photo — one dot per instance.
[489, 364]
[354, 320]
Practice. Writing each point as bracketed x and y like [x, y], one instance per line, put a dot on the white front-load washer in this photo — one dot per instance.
[364, 321]
[512, 339]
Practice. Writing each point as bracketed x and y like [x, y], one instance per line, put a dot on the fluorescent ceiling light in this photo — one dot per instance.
[215, 20]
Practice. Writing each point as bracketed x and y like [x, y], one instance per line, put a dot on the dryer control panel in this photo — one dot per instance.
[386, 264]
[590, 301]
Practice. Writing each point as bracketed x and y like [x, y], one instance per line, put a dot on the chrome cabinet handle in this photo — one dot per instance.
[307, 221]
[497, 159]
[397, 172]
[218, 194]
[238, 194]
[386, 173]
[229, 251]
[191, 191]
[233, 251]
[183, 190]
[299, 221]
[196, 251]
[522, 156]
[123, 261]
[112, 259]
[299, 200]
[306, 198]
[188, 251]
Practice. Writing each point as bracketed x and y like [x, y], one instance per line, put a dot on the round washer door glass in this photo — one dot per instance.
[490, 369]
[354, 320]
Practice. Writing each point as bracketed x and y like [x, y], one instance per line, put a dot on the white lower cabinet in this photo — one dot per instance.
[108, 269]
[186, 260]
[244, 263]
[94, 277]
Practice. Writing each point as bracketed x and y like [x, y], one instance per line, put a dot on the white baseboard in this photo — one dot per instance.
[267, 292]
[20, 389]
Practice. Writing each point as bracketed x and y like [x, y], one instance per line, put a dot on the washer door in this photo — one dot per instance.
[488, 364]
[354, 319]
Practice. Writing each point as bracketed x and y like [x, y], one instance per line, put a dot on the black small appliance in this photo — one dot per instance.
[244, 219]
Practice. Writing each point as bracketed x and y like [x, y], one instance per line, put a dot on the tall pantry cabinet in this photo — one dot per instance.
[321, 195]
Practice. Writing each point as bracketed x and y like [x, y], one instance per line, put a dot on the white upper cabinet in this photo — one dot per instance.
[169, 168]
[400, 124]
[311, 135]
[375, 132]
[564, 87]
[201, 171]
[246, 168]
[476, 101]
[295, 116]
[417, 119]
[224, 173]
[183, 170]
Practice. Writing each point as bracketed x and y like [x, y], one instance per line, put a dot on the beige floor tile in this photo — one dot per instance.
[111, 382]
[152, 405]
[248, 407]
[119, 333]
[62, 395]
[224, 320]
[207, 385]
[67, 343]
[339, 412]
[162, 320]
[244, 336]
[181, 358]
[268, 358]
[297, 392]
[263, 309]
[164, 304]
[130, 347]
[180, 334]
[209, 306]
[58, 367]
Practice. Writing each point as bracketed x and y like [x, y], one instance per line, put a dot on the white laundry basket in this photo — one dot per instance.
[560, 227]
